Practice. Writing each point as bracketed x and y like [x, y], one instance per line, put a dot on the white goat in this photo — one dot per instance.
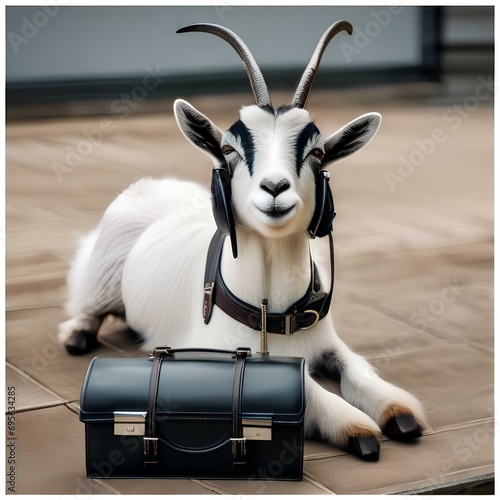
[146, 259]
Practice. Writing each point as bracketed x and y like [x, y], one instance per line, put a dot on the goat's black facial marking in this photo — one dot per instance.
[283, 109]
[303, 139]
[268, 109]
[240, 131]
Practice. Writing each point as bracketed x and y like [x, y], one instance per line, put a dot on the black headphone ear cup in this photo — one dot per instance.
[324, 211]
[222, 206]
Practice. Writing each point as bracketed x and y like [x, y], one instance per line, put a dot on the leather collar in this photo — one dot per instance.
[302, 315]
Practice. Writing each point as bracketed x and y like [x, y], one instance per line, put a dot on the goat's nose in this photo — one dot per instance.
[274, 188]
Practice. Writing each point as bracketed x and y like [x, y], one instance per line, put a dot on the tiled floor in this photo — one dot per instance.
[414, 283]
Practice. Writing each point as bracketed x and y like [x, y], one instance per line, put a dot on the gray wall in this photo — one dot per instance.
[71, 43]
[468, 25]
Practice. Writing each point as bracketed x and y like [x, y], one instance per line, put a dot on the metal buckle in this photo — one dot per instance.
[163, 350]
[316, 313]
[150, 450]
[243, 352]
[207, 301]
[238, 446]
[288, 325]
[288, 322]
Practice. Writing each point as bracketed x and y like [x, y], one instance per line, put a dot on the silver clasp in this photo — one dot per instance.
[257, 429]
[129, 423]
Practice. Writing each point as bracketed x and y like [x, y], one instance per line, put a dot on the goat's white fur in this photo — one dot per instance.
[147, 259]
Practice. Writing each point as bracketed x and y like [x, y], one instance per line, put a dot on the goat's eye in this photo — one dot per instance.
[317, 153]
[227, 150]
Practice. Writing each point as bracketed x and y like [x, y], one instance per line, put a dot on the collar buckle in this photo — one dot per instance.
[289, 331]
[291, 322]
[316, 319]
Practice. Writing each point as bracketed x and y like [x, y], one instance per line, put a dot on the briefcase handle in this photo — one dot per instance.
[150, 438]
[166, 351]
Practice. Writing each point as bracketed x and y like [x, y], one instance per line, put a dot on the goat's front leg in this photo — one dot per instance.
[397, 412]
[331, 418]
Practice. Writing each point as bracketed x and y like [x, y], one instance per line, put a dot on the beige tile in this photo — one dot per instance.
[157, 486]
[33, 347]
[446, 458]
[447, 293]
[304, 487]
[455, 384]
[315, 450]
[370, 330]
[50, 454]
[29, 394]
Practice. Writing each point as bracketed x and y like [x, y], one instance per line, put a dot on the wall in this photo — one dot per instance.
[71, 43]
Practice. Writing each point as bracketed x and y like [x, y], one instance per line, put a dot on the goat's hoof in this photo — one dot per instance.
[402, 428]
[366, 448]
[81, 342]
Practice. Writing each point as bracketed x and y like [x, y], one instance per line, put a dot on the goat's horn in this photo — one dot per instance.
[304, 86]
[257, 82]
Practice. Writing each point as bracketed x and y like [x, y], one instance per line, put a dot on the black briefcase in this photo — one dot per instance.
[194, 413]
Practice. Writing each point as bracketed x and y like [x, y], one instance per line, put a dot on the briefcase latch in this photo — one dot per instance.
[130, 423]
[257, 429]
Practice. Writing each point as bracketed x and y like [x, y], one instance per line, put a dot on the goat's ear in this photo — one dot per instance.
[351, 137]
[199, 130]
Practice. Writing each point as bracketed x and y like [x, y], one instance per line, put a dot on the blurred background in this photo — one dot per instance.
[65, 53]
[89, 94]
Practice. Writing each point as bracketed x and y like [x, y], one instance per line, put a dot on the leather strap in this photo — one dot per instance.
[150, 439]
[211, 270]
[238, 445]
[302, 315]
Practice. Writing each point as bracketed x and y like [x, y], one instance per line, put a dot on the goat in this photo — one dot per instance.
[146, 259]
